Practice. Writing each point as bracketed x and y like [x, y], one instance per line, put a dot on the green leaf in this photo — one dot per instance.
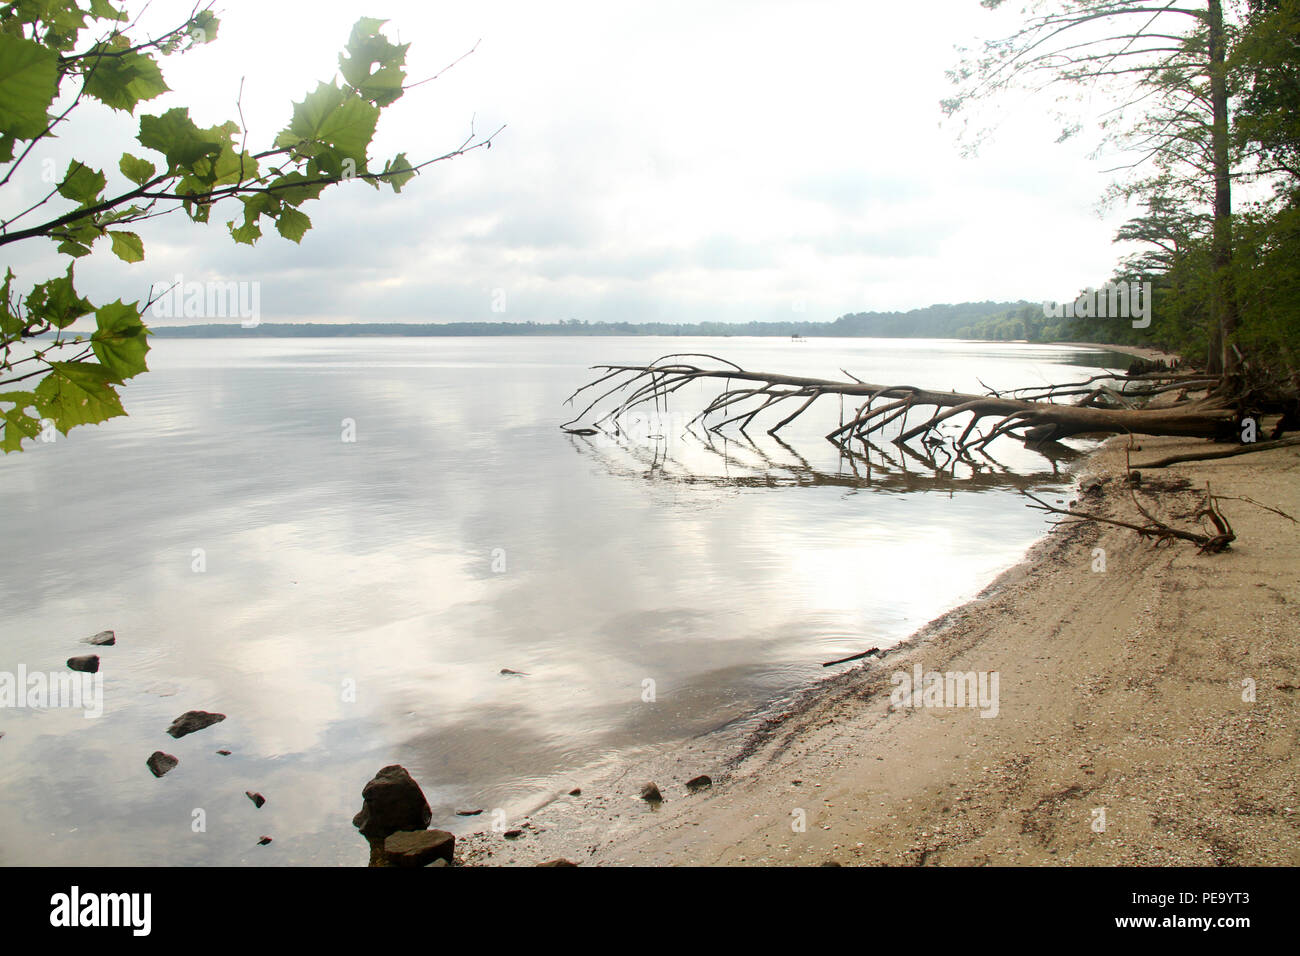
[17, 423]
[121, 82]
[372, 64]
[175, 136]
[104, 10]
[120, 341]
[77, 393]
[75, 249]
[335, 118]
[203, 28]
[287, 188]
[399, 179]
[139, 171]
[82, 184]
[248, 233]
[127, 246]
[292, 224]
[29, 81]
[57, 302]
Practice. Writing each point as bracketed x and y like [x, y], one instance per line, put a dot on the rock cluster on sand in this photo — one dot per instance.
[392, 801]
[394, 819]
[418, 847]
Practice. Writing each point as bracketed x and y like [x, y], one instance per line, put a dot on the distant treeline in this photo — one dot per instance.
[967, 320]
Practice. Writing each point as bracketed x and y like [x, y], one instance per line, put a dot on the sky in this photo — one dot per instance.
[667, 161]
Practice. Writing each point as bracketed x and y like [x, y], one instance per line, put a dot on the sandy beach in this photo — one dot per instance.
[1145, 714]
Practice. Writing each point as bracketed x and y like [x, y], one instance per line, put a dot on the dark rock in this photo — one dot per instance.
[102, 639]
[650, 794]
[418, 847]
[575, 792]
[440, 862]
[514, 834]
[560, 862]
[1135, 477]
[264, 841]
[392, 801]
[257, 798]
[829, 863]
[702, 782]
[224, 753]
[509, 673]
[87, 663]
[159, 763]
[468, 813]
[193, 720]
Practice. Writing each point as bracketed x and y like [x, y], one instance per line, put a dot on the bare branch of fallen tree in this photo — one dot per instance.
[1035, 416]
[1160, 531]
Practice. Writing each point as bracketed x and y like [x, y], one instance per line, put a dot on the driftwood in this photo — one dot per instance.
[1100, 404]
[852, 657]
[1229, 452]
[1161, 532]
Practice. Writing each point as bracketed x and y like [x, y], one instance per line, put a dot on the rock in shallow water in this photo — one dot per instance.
[159, 763]
[392, 801]
[418, 847]
[193, 720]
[87, 663]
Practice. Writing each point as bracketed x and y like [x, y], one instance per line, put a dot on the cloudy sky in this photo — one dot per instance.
[667, 161]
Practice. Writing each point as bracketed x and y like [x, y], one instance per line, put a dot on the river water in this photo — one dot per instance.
[340, 543]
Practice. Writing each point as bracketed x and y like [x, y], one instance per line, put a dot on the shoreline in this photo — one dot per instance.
[1120, 693]
[1137, 351]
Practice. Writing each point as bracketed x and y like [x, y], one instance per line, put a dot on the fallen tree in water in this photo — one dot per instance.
[1107, 403]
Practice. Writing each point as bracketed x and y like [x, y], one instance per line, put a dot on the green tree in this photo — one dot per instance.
[1166, 67]
[57, 54]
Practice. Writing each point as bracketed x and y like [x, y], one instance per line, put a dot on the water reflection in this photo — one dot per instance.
[726, 577]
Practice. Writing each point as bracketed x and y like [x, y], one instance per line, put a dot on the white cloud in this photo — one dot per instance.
[668, 160]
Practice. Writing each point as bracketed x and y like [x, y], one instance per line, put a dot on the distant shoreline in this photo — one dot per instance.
[534, 330]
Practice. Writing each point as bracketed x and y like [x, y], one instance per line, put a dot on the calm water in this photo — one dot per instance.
[350, 604]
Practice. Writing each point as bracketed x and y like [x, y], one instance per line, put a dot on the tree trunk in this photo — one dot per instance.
[1223, 358]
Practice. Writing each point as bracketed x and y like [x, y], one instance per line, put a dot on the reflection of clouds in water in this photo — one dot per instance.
[373, 562]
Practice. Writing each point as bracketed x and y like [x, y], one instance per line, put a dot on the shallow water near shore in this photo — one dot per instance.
[352, 603]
